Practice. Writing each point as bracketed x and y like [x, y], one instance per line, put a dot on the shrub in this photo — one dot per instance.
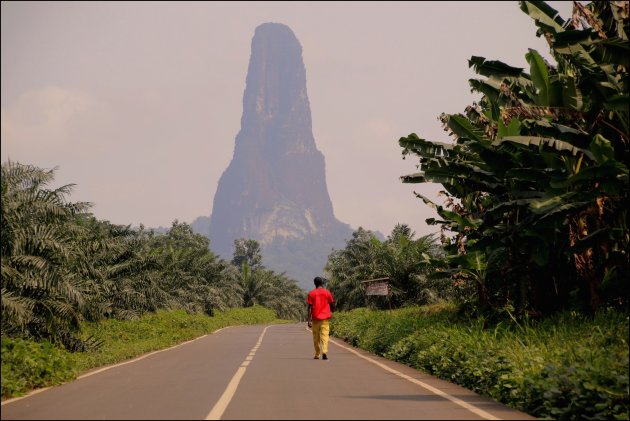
[28, 364]
[565, 367]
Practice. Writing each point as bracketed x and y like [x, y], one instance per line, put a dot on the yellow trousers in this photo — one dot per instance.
[321, 329]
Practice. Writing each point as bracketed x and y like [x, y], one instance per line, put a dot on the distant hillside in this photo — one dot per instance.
[274, 190]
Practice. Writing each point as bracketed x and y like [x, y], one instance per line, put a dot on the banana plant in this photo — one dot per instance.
[536, 179]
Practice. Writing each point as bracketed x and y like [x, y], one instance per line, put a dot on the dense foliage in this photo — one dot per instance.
[42, 296]
[567, 366]
[400, 258]
[536, 183]
[61, 267]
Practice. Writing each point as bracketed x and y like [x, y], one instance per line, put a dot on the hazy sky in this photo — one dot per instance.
[139, 103]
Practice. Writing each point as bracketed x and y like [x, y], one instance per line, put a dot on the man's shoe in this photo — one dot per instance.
[316, 357]
[324, 357]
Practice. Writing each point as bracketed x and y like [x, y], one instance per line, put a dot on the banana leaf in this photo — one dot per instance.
[461, 126]
[557, 144]
[427, 201]
[571, 94]
[495, 68]
[543, 13]
[612, 177]
[540, 76]
[563, 204]
[455, 218]
[592, 240]
[425, 147]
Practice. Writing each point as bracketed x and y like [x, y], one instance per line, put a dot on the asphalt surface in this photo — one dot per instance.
[257, 372]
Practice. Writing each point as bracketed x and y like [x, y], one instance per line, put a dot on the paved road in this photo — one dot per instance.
[257, 372]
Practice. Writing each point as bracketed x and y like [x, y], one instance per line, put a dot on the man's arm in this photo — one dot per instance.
[309, 317]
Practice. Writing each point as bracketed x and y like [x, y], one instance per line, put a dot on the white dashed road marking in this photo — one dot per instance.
[230, 390]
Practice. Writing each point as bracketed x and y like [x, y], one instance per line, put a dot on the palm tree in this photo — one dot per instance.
[192, 276]
[405, 261]
[41, 298]
[287, 299]
[348, 267]
[255, 285]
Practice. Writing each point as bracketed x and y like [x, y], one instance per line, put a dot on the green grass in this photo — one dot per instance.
[565, 367]
[27, 365]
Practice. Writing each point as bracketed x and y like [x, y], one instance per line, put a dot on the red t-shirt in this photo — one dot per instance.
[320, 299]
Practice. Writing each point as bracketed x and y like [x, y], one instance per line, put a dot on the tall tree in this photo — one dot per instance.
[247, 251]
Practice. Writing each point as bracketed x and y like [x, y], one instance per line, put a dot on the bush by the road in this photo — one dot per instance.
[565, 367]
[27, 365]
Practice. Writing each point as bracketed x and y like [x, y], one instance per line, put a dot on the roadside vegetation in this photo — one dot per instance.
[28, 364]
[567, 366]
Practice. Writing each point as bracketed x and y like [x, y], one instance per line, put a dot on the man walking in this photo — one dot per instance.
[320, 304]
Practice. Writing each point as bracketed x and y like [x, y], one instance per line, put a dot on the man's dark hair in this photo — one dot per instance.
[318, 281]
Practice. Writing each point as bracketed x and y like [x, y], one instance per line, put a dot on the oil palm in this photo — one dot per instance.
[41, 298]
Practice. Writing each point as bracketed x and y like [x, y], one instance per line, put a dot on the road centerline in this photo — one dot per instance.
[219, 408]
